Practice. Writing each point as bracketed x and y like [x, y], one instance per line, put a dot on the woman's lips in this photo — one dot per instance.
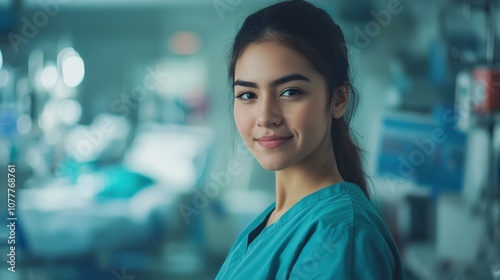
[272, 143]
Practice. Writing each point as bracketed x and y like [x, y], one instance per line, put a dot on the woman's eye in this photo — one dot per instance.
[291, 92]
[246, 96]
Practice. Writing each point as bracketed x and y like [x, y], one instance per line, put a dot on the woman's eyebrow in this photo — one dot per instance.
[275, 83]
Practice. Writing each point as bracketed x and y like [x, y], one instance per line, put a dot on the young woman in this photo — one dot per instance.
[293, 102]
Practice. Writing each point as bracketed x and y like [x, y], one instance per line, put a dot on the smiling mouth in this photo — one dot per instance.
[273, 143]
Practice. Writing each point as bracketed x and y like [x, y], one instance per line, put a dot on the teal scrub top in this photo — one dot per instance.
[333, 233]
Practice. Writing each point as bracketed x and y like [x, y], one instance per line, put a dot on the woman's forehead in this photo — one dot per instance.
[270, 59]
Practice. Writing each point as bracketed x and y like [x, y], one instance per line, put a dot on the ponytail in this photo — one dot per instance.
[348, 155]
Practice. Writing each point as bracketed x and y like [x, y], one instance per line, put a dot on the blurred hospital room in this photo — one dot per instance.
[121, 160]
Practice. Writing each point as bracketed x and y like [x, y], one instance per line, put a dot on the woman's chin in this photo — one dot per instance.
[272, 164]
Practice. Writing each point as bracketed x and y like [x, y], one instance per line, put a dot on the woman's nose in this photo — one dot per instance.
[268, 113]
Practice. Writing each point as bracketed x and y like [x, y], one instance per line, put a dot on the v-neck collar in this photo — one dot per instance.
[260, 232]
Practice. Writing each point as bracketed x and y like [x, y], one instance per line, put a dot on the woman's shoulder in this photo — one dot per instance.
[351, 214]
[347, 229]
[347, 207]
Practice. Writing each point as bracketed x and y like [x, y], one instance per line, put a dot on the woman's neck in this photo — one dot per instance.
[317, 171]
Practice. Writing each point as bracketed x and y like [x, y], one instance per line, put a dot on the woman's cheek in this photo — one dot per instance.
[302, 118]
[242, 121]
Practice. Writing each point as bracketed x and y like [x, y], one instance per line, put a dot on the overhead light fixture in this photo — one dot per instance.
[49, 76]
[72, 67]
[4, 77]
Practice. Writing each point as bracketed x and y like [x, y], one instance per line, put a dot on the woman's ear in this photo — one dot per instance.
[340, 101]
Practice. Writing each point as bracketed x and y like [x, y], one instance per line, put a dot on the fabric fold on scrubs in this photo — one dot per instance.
[333, 233]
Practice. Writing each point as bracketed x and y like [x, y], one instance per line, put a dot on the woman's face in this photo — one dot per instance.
[278, 93]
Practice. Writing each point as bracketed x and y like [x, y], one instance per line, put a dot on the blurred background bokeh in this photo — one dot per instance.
[116, 117]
